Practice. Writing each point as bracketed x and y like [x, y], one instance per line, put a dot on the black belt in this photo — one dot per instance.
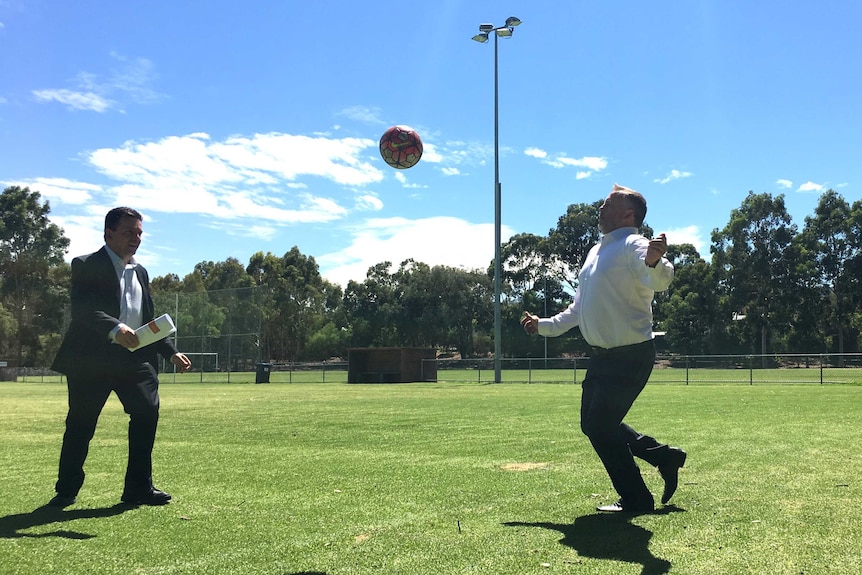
[602, 351]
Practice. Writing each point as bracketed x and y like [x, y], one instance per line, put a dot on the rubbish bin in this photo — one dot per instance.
[262, 373]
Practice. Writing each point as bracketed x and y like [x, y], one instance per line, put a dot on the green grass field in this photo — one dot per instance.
[441, 478]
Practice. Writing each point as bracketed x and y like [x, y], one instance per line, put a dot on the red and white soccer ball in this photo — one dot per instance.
[401, 147]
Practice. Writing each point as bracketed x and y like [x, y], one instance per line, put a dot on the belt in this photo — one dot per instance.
[601, 351]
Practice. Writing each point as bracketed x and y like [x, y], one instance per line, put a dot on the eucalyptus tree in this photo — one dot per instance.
[753, 262]
[688, 309]
[465, 299]
[293, 298]
[832, 239]
[570, 241]
[33, 276]
[371, 306]
[419, 321]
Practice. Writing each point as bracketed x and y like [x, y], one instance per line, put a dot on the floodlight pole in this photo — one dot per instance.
[498, 266]
[485, 31]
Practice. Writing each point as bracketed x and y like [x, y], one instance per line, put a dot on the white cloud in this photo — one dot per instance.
[451, 171]
[365, 114]
[248, 186]
[687, 235]
[434, 241]
[811, 187]
[784, 183]
[84, 231]
[430, 154]
[588, 164]
[239, 177]
[673, 175]
[368, 202]
[131, 81]
[88, 101]
[61, 189]
[592, 163]
[401, 176]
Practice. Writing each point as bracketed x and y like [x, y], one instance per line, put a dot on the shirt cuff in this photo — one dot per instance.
[112, 335]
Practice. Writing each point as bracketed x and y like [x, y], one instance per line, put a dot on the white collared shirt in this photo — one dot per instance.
[131, 293]
[613, 300]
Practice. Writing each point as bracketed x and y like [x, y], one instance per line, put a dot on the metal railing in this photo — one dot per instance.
[751, 369]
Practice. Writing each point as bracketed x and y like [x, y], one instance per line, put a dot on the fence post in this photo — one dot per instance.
[821, 369]
[687, 365]
[750, 370]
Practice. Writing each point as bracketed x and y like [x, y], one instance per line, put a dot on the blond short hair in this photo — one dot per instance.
[636, 201]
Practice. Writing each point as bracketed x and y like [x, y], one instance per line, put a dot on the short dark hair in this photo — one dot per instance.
[112, 218]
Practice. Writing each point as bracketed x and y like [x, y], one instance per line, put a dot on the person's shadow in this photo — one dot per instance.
[609, 536]
[14, 526]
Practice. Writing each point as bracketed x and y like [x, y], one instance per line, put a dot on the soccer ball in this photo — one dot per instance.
[401, 147]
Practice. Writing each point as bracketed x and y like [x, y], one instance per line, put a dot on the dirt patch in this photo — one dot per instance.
[529, 466]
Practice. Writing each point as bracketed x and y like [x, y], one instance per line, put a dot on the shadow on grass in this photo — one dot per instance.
[610, 536]
[11, 526]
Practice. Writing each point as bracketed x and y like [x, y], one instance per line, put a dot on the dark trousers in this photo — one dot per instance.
[138, 390]
[614, 379]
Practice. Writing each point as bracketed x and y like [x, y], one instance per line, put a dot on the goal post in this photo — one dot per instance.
[202, 362]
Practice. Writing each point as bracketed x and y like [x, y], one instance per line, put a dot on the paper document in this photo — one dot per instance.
[156, 330]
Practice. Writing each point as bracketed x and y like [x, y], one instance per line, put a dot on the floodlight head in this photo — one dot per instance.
[486, 27]
[481, 37]
[504, 32]
[512, 21]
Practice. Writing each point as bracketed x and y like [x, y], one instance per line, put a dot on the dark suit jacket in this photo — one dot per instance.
[87, 350]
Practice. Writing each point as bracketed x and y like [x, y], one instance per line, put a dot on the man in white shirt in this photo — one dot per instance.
[613, 308]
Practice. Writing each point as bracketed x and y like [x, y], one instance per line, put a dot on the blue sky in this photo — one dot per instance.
[238, 127]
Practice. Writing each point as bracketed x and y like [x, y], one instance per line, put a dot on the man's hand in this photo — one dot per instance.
[182, 362]
[126, 337]
[530, 323]
[656, 249]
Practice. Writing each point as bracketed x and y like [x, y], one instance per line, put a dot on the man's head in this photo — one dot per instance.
[123, 231]
[622, 208]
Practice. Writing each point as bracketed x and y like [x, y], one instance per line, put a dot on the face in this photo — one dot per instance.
[615, 213]
[124, 241]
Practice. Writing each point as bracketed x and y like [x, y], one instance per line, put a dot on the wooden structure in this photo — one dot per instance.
[391, 364]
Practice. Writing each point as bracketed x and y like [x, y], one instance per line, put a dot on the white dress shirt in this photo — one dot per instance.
[613, 300]
[131, 293]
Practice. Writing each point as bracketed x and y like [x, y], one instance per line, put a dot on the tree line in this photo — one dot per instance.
[769, 287]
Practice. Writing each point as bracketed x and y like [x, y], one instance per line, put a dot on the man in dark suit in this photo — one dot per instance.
[110, 298]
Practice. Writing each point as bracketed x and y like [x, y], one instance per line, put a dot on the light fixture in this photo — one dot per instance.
[482, 37]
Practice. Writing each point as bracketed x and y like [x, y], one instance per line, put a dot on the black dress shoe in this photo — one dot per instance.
[670, 472]
[151, 497]
[624, 507]
[61, 501]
